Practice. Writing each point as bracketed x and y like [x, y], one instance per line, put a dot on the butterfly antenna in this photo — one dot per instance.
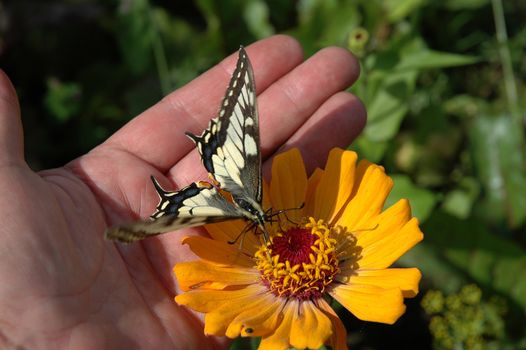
[284, 211]
[281, 211]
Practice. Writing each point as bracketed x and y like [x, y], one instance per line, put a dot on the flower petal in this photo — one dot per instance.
[289, 182]
[338, 340]
[230, 230]
[406, 279]
[221, 307]
[370, 303]
[312, 185]
[310, 327]
[219, 321]
[370, 197]
[200, 274]
[258, 319]
[218, 252]
[384, 252]
[390, 221]
[336, 184]
[266, 200]
[280, 338]
[209, 300]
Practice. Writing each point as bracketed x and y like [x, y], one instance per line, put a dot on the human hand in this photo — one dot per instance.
[63, 285]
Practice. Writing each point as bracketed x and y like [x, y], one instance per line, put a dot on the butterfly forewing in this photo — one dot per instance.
[197, 204]
[229, 147]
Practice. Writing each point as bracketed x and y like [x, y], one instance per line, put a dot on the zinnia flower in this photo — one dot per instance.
[339, 243]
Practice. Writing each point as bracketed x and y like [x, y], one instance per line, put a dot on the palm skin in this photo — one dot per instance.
[62, 285]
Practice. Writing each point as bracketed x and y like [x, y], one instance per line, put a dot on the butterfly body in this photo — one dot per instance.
[230, 152]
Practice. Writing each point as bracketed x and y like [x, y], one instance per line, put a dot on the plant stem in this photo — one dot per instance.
[505, 57]
[159, 55]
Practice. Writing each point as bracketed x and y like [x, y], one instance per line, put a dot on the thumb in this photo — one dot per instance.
[11, 135]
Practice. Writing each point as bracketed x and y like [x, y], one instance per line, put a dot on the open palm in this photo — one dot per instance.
[62, 285]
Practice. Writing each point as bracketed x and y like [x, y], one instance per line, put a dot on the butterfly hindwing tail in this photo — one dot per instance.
[197, 204]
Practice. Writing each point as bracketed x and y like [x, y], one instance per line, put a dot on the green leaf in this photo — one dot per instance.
[389, 103]
[422, 201]
[492, 262]
[427, 59]
[464, 105]
[459, 201]
[209, 11]
[498, 151]
[337, 18]
[135, 34]
[371, 150]
[465, 4]
[435, 271]
[256, 16]
[62, 99]
[386, 112]
[398, 9]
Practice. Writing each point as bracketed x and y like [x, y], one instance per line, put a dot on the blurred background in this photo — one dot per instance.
[444, 86]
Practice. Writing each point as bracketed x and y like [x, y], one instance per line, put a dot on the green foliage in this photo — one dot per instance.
[422, 200]
[62, 99]
[474, 252]
[443, 86]
[464, 320]
[499, 157]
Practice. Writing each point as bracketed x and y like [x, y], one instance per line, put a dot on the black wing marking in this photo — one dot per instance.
[197, 204]
[229, 147]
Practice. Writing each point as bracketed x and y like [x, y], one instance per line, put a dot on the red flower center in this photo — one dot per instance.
[300, 262]
[294, 246]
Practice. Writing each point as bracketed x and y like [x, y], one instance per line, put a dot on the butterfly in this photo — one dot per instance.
[230, 152]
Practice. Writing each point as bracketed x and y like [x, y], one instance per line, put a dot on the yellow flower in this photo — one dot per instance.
[339, 244]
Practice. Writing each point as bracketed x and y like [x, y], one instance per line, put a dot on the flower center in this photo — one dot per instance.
[299, 262]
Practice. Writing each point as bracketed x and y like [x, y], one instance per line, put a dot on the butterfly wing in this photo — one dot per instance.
[197, 204]
[229, 147]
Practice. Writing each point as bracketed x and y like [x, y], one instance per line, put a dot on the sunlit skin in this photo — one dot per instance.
[62, 284]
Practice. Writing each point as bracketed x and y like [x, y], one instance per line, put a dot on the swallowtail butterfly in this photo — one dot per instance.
[230, 152]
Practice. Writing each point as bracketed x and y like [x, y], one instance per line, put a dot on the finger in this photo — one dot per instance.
[288, 104]
[335, 124]
[157, 135]
[11, 135]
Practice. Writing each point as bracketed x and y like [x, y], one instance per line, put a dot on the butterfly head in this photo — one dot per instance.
[252, 211]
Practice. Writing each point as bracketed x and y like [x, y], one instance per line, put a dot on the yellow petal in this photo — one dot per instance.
[310, 327]
[267, 201]
[218, 252]
[258, 319]
[310, 197]
[388, 222]
[218, 321]
[370, 303]
[191, 275]
[406, 279]
[336, 184]
[209, 300]
[289, 183]
[279, 340]
[385, 251]
[338, 340]
[368, 201]
[229, 231]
